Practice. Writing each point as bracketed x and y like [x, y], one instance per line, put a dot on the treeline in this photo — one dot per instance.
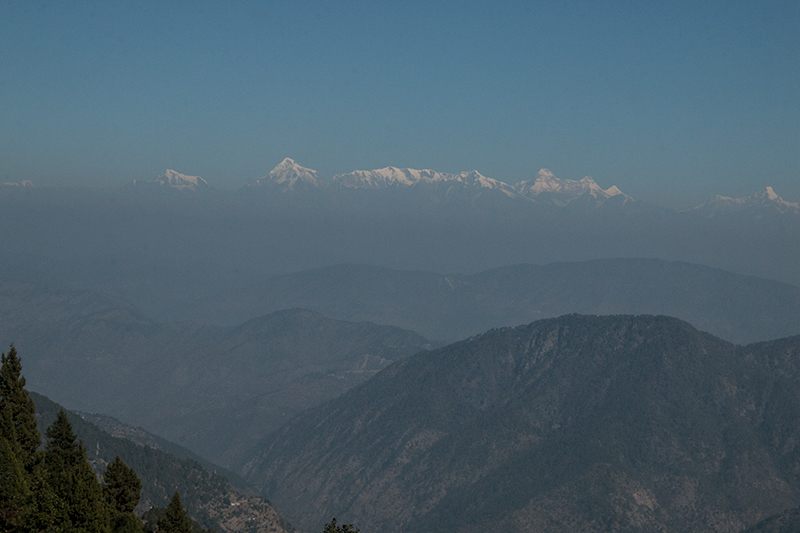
[55, 489]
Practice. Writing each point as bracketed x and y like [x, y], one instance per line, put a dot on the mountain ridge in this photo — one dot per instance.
[290, 177]
[623, 423]
[213, 389]
[765, 200]
[448, 307]
[174, 181]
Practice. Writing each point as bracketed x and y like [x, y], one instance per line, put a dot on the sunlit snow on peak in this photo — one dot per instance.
[766, 199]
[181, 182]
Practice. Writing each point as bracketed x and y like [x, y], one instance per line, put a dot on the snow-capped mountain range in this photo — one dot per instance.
[22, 184]
[562, 191]
[766, 199]
[288, 177]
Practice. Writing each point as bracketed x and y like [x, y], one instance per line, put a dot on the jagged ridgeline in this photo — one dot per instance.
[40, 490]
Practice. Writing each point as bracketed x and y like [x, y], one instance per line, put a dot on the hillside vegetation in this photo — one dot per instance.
[210, 498]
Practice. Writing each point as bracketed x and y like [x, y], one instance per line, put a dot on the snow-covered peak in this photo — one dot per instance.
[463, 186]
[563, 191]
[472, 182]
[175, 180]
[767, 198]
[770, 194]
[182, 181]
[289, 176]
[382, 178]
[476, 179]
[545, 175]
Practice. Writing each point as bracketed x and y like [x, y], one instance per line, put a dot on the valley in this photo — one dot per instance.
[410, 365]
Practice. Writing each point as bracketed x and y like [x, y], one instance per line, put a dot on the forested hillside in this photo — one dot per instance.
[209, 498]
[51, 488]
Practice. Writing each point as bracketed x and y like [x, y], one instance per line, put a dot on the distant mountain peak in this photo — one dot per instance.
[545, 175]
[463, 186]
[563, 191]
[289, 176]
[23, 183]
[766, 199]
[393, 177]
[771, 194]
[382, 178]
[171, 179]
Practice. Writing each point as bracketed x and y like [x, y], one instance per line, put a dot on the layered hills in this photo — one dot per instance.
[735, 307]
[580, 423]
[213, 389]
[219, 389]
[170, 245]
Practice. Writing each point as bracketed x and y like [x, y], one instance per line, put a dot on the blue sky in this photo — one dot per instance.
[671, 101]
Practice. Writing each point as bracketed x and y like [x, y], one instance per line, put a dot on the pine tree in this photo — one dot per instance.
[67, 472]
[13, 488]
[16, 404]
[344, 528]
[121, 491]
[176, 520]
[25, 503]
[121, 486]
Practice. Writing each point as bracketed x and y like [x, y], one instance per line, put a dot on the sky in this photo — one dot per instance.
[673, 102]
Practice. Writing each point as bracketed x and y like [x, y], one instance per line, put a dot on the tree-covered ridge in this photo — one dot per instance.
[50, 490]
[56, 489]
[209, 498]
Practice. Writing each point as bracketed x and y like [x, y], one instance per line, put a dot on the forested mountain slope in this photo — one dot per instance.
[209, 498]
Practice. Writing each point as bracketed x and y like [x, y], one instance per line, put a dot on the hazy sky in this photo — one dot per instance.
[671, 101]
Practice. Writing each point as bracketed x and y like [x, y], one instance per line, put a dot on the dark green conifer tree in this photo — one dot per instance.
[121, 491]
[344, 528]
[27, 504]
[18, 406]
[121, 486]
[13, 489]
[176, 519]
[67, 472]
